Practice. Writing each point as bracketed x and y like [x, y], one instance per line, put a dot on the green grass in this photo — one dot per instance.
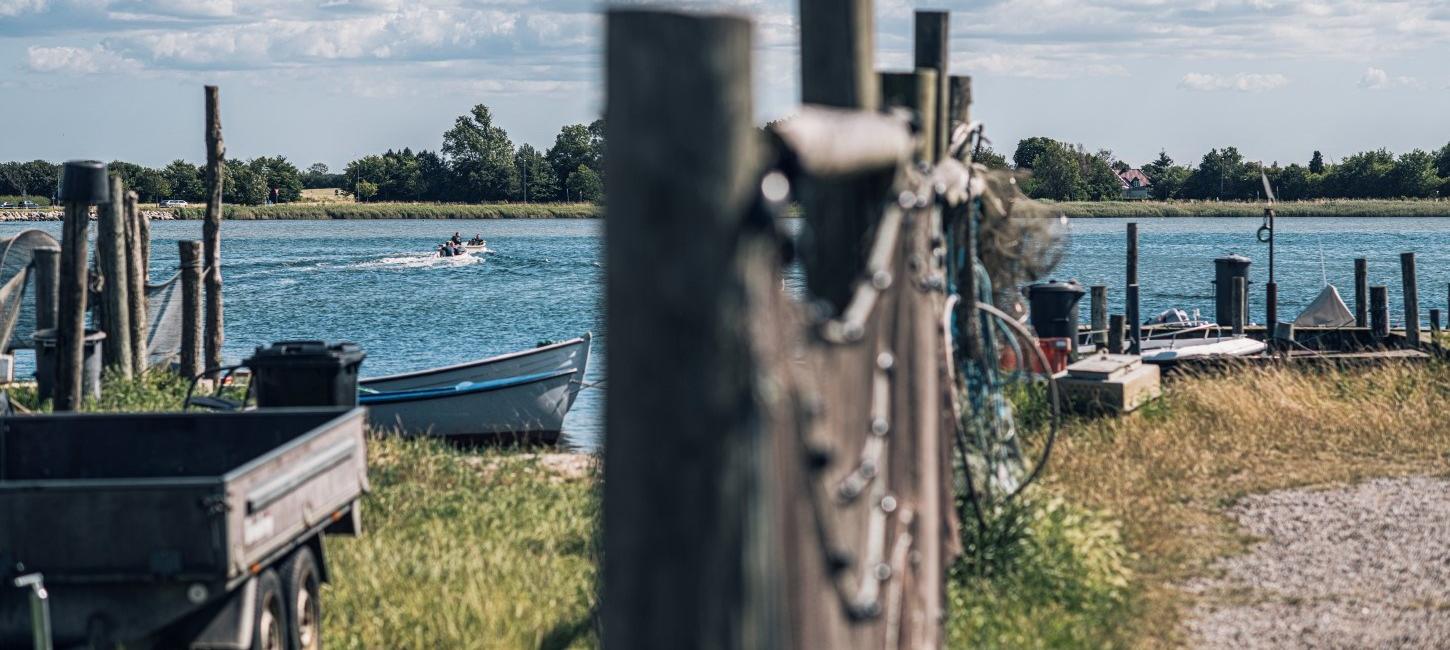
[401, 211]
[156, 391]
[1357, 208]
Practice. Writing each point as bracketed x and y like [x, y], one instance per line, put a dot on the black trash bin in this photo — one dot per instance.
[305, 373]
[1053, 308]
[1225, 269]
[46, 356]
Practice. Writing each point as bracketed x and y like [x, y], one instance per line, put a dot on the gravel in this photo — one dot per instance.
[1366, 566]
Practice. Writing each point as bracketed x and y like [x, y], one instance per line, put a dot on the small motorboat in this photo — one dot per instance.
[518, 397]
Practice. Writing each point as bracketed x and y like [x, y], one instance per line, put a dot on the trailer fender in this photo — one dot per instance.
[230, 627]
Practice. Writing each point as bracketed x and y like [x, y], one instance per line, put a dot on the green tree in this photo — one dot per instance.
[536, 175]
[185, 181]
[1316, 163]
[1099, 179]
[480, 156]
[990, 159]
[1294, 183]
[574, 147]
[1364, 175]
[276, 172]
[1166, 178]
[1028, 150]
[365, 190]
[1056, 174]
[1413, 175]
[584, 184]
[1223, 175]
[1442, 162]
[243, 185]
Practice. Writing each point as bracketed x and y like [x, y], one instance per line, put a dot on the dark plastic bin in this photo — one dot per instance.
[1053, 308]
[45, 360]
[1225, 269]
[305, 373]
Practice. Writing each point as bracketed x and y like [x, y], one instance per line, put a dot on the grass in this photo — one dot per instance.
[16, 199]
[1358, 208]
[400, 211]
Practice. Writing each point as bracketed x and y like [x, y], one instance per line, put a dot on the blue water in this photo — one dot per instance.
[372, 281]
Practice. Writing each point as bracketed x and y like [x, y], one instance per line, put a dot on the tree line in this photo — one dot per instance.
[477, 163]
[1064, 172]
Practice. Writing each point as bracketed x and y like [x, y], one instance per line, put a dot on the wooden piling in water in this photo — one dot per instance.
[1411, 297]
[1132, 253]
[1361, 292]
[1236, 313]
[1115, 333]
[190, 253]
[115, 306]
[47, 287]
[932, 38]
[71, 317]
[1099, 316]
[1379, 312]
[211, 229]
[1271, 304]
[137, 233]
[1135, 322]
[915, 91]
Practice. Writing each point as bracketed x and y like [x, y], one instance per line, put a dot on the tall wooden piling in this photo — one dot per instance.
[959, 106]
[1099, 318]
[1435, 325]
[686, 556]
[1132, 254]
[115, 307]
[1271, 305]
[138, 234]
[1135, 322]
[190, 253]
[1379, 312]
[837, 48]
[71, 318]
[212, 228]
[1115, 333]
[932, 37]
[1412, 298]
[1361, 292]
[47, 287]
[1236, 312]
[916, 91]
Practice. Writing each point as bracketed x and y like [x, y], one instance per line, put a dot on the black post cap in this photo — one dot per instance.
[85, 181]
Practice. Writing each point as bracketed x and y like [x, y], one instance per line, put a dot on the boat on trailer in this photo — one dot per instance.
[521, 397]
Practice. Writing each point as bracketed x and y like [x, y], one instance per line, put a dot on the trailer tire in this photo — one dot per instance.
[302, 591]
[269, 618]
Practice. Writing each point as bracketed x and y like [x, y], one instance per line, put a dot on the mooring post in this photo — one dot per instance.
[47, 287]
[915, 91]
[1236, 312]
[960, 104]
[1135, 323]
[1115, 333]
[1132, 253]
[85, 183]
[1361, 292]
[1099, 307]
[190, 253]
[1435, 325]
[115, 307]
[684, 512]
[1271, 305]
[137, 273]
[212, 228]
[1412, 298]
[837, 46]
[1379, 312]
[933, 44]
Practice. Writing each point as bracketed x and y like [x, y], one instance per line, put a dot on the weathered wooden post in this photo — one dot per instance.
[137, 234]
[1271, 305]
[1379, 312]
[47, 287]
[933, 44]
[1115, 333]
[960, 102]
[1135, 319]
[1236, 312]
[1135, 323]
[212, 228]
[687, 563]
[915, 91]
[837, 46]
[1435, 325]
[1132, 253]
[84, 183]
[1412, 298]
[190, 253]
[1361, 292]
[1100, 316]
[115, 307]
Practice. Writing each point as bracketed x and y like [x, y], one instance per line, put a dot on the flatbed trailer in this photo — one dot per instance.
[174, 530]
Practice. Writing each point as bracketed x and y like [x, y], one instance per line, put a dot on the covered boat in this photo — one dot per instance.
[517, 397]
[1327, 310]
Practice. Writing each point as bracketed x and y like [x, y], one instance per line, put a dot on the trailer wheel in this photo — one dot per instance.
[269, 622]
[302, 588]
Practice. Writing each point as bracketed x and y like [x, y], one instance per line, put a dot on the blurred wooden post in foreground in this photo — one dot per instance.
[211, 230]
[115, 307]
[85, 184]
[932, 36]
[47, 287]
[915, 91]
[191, 327]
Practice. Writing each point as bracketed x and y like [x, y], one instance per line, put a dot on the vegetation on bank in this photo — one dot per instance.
[401, 211]
[1214, 209]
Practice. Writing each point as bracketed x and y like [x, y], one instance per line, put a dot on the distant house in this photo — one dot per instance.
[1136, 184]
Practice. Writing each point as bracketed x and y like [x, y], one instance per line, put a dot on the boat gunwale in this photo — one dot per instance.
[478, 362]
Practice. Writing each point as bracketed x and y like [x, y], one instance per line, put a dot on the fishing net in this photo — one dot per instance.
[1019, 241]
[17, 315]
[163, 319]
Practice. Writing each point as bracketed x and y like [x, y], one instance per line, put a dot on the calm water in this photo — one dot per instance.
[372, 281]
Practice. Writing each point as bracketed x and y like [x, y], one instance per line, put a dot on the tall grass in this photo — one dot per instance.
[401, 211]
[1358, 208]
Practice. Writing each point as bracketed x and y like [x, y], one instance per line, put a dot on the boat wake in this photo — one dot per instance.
[422, 261]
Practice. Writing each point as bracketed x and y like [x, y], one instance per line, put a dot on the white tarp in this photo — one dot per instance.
[1327, 310]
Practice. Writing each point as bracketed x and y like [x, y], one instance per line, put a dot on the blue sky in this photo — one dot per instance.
[331, 80]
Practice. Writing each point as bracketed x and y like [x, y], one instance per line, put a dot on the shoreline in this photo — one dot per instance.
[348, 211]
[1340, 208]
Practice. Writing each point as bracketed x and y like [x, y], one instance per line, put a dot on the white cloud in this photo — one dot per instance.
[17, 7]
[1378, 79]
[74, 60]
[1242, 82]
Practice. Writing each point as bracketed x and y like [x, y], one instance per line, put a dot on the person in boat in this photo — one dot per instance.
[456, 239]
[476, 241]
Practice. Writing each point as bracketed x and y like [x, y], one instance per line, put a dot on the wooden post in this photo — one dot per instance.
[933, 44]
[115, 307]
[960, 107]
[1135, 322]
[71, 318]
[1361, 292]
[47, 287]
[1271, 305]
[137, 233]
[915, 91]
[1237, 315]
[686, 561]
[1132, 253]
[837, 46]
[212, 228]
[1412, 298]
[1100, 316]
[190, 253]
[1379, 312]
[1435, 325]
[1115, 333]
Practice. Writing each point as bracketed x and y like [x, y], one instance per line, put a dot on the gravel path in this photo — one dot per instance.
[1366, 566]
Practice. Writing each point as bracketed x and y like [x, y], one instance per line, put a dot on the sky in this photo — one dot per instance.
[332, 80]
